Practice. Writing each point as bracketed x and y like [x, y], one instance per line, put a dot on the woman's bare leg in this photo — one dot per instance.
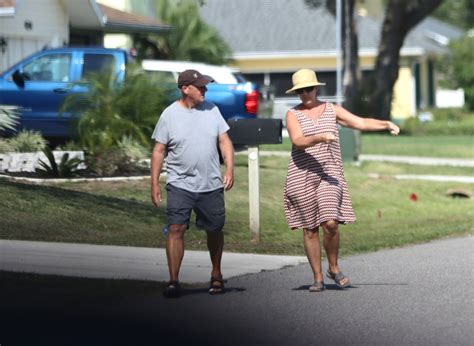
[312, 248]
[331, 245]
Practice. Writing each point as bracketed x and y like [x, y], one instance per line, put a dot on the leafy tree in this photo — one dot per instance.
[456, 12]
[400, 17]
[463, 66]
[460, 67]
[190, 38]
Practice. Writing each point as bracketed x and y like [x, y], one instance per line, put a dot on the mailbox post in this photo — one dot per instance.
[254, 192]
[253, 132]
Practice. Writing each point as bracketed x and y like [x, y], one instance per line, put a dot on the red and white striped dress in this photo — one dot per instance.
[315, 188]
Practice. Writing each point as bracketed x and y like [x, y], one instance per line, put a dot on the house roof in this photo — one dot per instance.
[7, 7]
[7, 3]
[128, 22]
[88, 14]
[84, 14]
[285, 28]
[91, 15]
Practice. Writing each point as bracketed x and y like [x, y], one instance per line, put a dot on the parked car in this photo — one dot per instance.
[40, 83]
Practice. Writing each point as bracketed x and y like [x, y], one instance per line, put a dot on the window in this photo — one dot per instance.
[49, 68]
[97, 64]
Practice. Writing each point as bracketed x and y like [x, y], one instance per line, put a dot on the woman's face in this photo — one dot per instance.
[307, 95]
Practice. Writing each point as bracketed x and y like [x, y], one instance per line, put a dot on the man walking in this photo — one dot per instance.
[188, 132]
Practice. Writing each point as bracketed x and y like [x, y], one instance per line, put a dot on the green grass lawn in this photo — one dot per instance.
[120, 213]
[430, 146]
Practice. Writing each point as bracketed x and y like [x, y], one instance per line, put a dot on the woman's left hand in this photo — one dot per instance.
[394, 129]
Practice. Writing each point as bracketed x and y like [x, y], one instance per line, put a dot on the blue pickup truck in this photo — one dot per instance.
[40, 83]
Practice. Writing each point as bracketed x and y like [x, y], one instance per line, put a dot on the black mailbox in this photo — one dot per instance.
[255, 131]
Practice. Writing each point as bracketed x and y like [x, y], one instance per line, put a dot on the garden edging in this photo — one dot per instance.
[28, 162]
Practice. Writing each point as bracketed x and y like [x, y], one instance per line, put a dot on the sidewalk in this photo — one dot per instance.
[123, 262]
[415, 160]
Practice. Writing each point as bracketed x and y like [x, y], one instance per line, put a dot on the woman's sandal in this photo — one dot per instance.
[338, 277]
[216, 286]
[317, 286]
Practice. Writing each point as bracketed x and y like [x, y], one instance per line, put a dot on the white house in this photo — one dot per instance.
[27, 26]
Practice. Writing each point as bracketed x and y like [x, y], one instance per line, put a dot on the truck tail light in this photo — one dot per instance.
[251, 102]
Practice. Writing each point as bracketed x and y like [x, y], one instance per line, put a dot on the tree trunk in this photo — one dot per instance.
[400, 17]
[350, 55]
[350, 50]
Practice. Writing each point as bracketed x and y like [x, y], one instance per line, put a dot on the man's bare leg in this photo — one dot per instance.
[175, 249]
[215, 244]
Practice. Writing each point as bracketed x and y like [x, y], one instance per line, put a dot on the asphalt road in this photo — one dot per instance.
[417, 295]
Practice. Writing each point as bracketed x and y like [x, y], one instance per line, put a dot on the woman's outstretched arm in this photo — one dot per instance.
[346, 118]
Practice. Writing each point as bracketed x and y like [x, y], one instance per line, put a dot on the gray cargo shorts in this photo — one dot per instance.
[208, 206]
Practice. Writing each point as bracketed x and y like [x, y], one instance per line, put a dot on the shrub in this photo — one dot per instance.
[113, 161]
[133, 150]
[69, 146]
[65, 169]
[457, 114]
[445, 122]
[27, 141]
[5, 146]
[104, 162]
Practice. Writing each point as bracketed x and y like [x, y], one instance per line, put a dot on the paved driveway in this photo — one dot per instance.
[417, 295]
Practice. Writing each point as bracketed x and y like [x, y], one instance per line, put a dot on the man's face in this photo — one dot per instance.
[195, 93]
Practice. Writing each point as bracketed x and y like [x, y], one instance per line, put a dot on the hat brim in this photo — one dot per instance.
[302, 86]
[203, 80]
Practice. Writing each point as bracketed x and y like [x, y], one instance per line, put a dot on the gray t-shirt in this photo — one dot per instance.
[191, 137]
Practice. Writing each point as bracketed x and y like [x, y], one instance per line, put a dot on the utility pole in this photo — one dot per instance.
[338, 53]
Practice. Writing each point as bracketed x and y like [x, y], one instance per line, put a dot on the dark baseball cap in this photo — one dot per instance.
[193, 77]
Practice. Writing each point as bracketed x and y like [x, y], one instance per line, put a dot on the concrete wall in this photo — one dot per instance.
[403, 94]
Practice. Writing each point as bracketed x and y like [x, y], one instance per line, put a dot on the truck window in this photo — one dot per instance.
[97, 64]
[48, 68]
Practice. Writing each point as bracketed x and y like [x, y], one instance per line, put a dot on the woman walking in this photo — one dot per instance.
[316, 193]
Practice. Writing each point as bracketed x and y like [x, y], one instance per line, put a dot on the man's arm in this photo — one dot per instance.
[157, 158]
[227, 150]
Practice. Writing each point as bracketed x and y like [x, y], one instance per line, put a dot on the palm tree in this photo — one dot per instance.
[190, 38]
[110, 110]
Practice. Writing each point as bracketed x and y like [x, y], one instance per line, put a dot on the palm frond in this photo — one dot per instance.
[9, 117]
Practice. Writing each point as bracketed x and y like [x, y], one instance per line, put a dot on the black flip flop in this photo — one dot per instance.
[216, 288]
[172, 290]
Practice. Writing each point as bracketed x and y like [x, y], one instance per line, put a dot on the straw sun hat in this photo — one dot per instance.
[302, 79]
